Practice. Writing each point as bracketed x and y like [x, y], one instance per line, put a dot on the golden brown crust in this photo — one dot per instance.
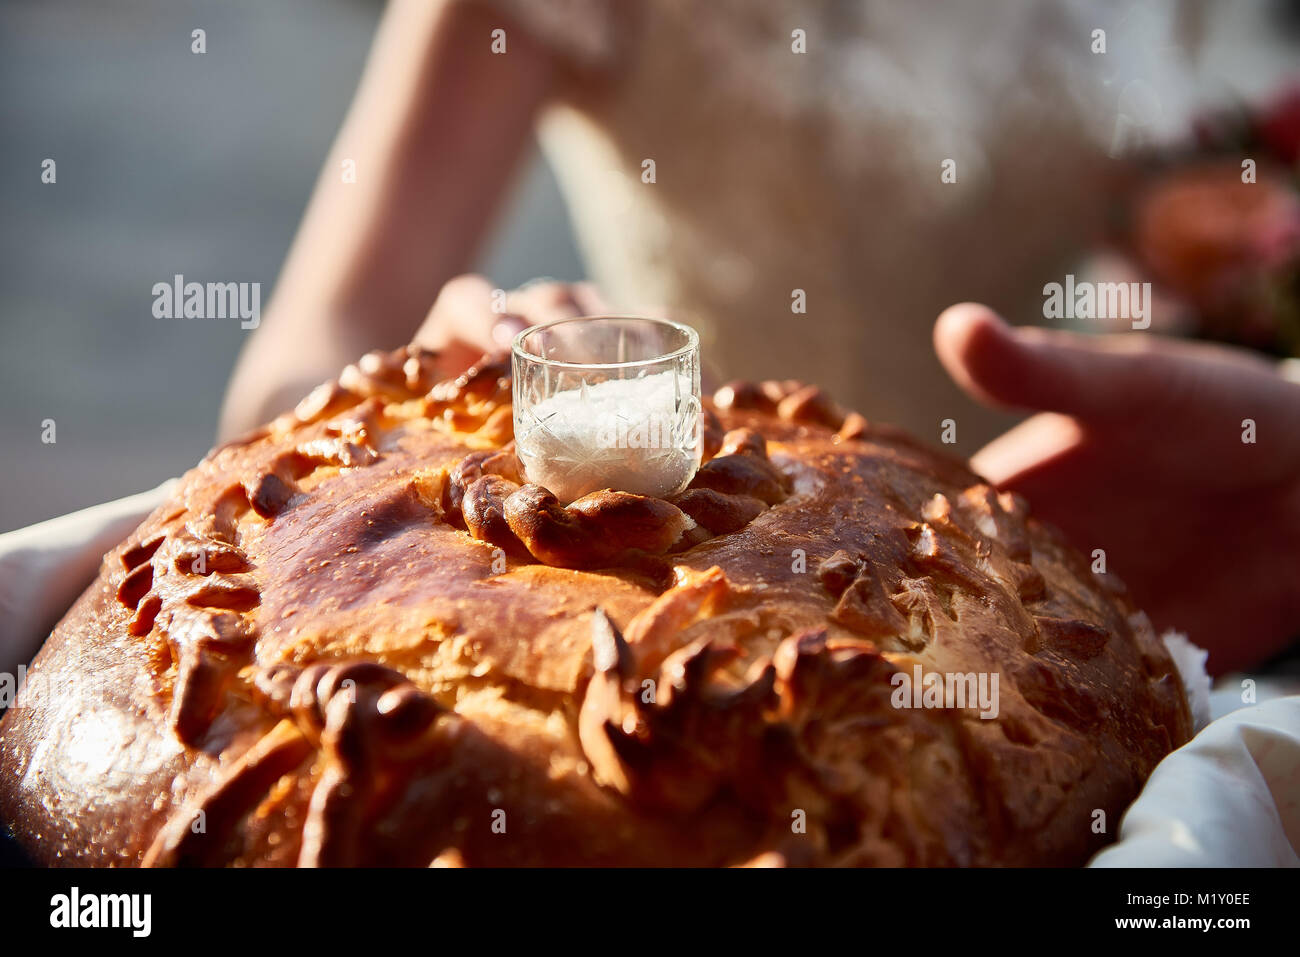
[354, 637]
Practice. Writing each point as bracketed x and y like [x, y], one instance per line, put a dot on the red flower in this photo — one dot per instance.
[1278, 126]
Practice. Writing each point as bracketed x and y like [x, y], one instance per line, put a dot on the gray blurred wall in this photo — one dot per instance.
[167, 162]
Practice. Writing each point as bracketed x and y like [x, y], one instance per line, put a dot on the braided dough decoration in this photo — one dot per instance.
[357, 636]
[608, 527]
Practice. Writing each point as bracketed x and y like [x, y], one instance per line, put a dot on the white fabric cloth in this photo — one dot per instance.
[1230, 797]
[44, 567]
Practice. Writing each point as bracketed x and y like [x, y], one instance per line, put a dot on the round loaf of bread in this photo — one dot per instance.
[357, 636]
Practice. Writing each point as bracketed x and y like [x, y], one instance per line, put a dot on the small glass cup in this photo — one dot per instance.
[607, 402]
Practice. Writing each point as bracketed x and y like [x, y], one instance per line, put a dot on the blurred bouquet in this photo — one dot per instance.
[1221, 236]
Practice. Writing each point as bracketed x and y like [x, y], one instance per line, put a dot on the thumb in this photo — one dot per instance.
[1092, 377]
[1184, 401]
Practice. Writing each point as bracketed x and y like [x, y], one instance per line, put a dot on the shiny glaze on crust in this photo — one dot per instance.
[355, 637]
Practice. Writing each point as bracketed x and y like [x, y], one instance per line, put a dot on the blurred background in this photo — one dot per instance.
[170, 163]
[201, 166]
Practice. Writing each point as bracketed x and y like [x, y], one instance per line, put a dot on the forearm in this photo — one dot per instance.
[434, 135]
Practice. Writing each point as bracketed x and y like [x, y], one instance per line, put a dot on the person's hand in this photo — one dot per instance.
[1141, 454]
[467, 319]
[404, 201]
